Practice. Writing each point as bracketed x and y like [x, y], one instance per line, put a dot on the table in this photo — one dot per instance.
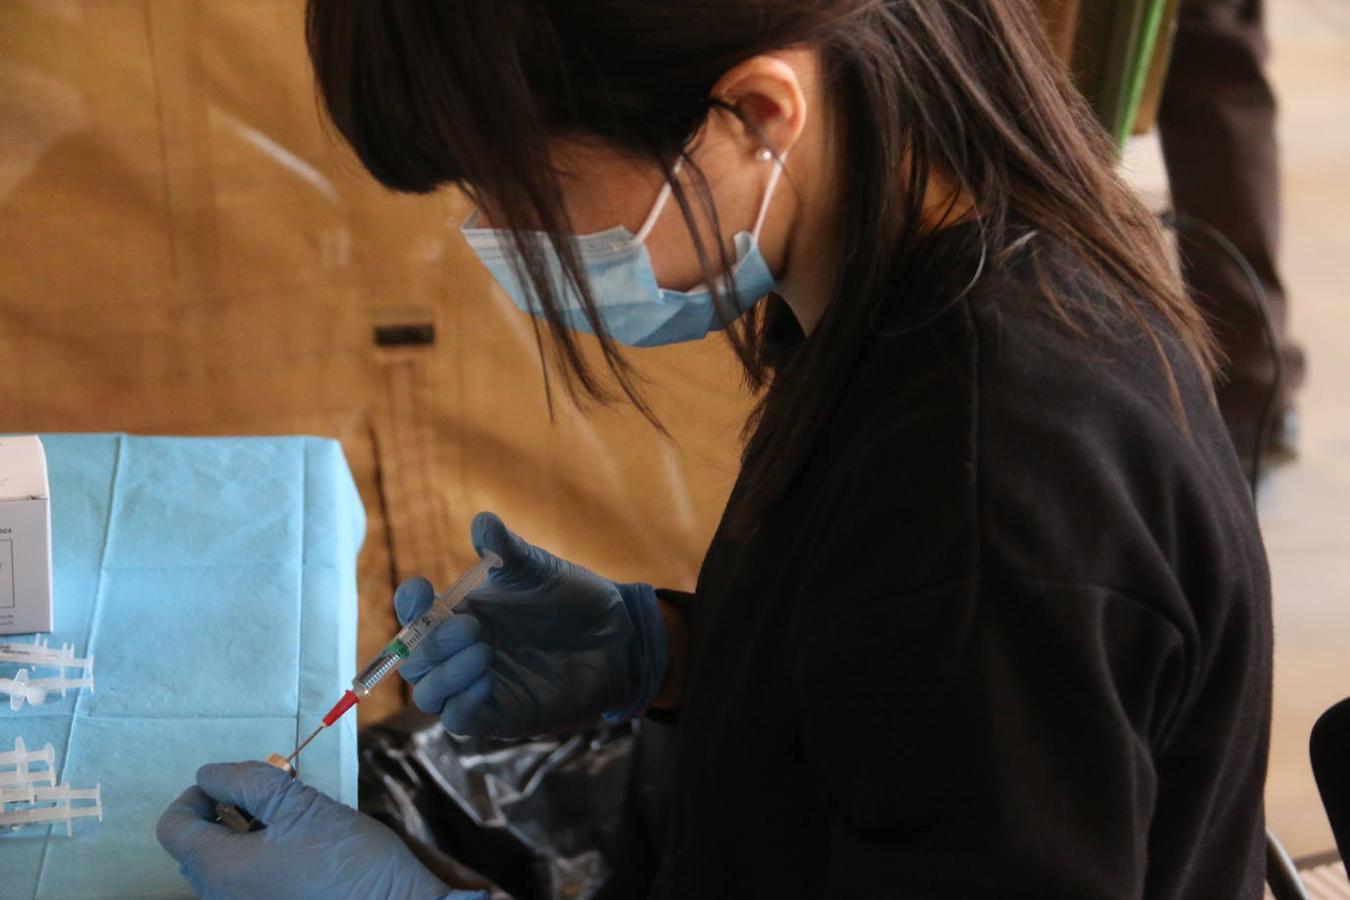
[214, 580]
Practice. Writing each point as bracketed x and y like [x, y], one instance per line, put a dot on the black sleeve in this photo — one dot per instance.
[987, 737]
[683, 604]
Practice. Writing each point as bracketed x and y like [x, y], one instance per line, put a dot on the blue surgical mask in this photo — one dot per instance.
[635, 309]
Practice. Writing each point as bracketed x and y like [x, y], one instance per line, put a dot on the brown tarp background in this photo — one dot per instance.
[185, 250]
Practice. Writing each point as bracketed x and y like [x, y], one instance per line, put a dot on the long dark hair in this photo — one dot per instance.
[432, 92]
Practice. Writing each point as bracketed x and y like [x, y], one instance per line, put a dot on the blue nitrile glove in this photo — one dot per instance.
[544, 645]
[312, 846]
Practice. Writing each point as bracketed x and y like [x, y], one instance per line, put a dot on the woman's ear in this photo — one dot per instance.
[769, 94]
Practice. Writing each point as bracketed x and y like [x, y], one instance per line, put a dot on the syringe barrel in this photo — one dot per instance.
[386, 662]
[445, 602]
[412, 634]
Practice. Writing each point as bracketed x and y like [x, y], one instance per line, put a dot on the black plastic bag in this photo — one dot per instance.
[578, 815]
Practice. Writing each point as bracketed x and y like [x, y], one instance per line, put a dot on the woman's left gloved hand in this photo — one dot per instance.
[312, 846]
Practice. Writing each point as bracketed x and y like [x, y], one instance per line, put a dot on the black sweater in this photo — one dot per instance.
[1008, 635]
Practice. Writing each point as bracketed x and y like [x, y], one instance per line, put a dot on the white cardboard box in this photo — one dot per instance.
[25, 537]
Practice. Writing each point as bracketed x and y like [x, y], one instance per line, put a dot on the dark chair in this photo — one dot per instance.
[1281, 874]
[1329, 748]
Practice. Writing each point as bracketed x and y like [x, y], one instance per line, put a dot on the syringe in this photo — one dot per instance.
[397, 650]
[386, 661]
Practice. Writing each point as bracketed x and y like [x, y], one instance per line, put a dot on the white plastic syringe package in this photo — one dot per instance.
[25, 537]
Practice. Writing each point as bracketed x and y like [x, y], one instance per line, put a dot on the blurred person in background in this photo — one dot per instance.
[1217, 123]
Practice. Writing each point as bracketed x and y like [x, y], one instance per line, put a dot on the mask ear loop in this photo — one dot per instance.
[661, 200]
[780, 163]
[664, 197]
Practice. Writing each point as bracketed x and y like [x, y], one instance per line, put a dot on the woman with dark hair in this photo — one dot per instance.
[988, 611]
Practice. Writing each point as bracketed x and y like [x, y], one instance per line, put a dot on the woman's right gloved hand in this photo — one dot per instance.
[543, 646]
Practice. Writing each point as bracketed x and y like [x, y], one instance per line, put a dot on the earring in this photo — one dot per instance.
[763, 154]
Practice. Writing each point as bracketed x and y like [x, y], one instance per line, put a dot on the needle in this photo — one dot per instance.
[348, 700]
[312, 735]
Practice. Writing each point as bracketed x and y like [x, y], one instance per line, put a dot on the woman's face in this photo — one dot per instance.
[603, 188]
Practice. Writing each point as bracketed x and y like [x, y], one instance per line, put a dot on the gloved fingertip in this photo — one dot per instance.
[212, 772]
[450, 637]
[481, 522]
[521, 561]
[487, 532]
[180, 825]
[193, 803]
[460, 713]
[412, 598]
[428, 702]
[443, 682]
[456, 633]
[247, 784]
